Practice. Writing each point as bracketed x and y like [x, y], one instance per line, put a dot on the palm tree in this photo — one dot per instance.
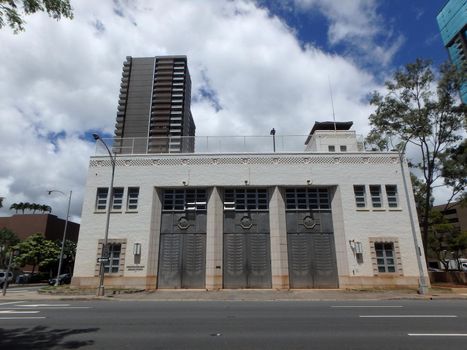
[35, 207]
[21, 206]
[27, 206]
[46, 208]
[14, 207]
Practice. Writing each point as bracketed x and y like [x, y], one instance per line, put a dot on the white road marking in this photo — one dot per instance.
[21, 318]
[41, 305]
[364, 306]
[11, 302]
[437, 335]
[18, 312]
[55, 308]
[408, 316]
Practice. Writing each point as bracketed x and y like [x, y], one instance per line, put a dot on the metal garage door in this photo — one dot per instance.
[182, 254]
[310, 239]
[247, 254]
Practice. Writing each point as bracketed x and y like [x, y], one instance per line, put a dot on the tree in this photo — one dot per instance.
[30, 206]
[21, 207]
[458, 244]
[12, 11]
[46, 208]
[35, 207]
[454, 170]
[1, 201]
[14, 207]
[419, 191]
[69, 253]
[37, 251]
[7, 240]
[441, 237]
[27, 206]
[414, 112]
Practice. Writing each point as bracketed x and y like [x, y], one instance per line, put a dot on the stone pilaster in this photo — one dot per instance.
[278, 232]
[214, 235]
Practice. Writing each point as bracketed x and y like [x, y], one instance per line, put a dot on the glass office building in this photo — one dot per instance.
[452, 21]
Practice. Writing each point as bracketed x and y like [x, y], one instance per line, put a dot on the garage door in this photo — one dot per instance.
[310, 239]
[182, 253]
[247, 254]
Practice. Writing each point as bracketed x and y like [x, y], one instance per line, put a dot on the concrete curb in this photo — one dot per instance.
[246, 295]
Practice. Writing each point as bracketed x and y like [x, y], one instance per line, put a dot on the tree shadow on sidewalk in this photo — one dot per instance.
[41, 337]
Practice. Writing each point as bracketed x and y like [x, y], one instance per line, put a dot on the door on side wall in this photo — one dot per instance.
[310, 238]
[247, 253]
[182, 252]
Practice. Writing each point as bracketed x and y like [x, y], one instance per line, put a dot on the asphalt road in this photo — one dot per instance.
[233, 325]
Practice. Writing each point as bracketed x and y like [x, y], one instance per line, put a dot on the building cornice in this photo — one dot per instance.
[246, 159]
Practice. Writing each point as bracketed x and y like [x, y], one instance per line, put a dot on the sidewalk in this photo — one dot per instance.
[309, 294]
[439, 293]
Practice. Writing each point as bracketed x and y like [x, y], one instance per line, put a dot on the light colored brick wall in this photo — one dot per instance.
[339, 171]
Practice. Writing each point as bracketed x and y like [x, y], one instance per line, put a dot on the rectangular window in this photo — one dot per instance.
[343, 148]
[112, 266]
[181, 199]
[385, 257]
[360, 196]
[245, 199]
[375, 192]
[101, 198]
[307, 198]
[117, 200]
[391, 193]
[132, 200]
[331, 148]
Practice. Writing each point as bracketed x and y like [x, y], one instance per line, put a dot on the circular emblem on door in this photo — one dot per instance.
[246, 222]
[183, 223]
[308, 222]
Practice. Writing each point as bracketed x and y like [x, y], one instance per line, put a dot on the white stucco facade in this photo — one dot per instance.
[338, 172]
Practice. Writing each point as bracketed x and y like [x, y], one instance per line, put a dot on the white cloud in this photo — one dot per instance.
[357, 24]
[63, 78]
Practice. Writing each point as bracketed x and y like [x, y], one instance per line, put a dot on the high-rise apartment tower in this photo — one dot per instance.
[452, 21]
[154, 113]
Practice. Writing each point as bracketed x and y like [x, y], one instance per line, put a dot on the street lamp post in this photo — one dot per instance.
[8, 269]
[100, 288]
[57, 282]
[422, 286]
[273, 134]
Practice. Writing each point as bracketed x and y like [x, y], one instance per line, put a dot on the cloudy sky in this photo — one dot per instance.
[254, 65]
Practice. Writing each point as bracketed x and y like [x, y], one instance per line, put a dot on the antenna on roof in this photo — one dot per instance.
[332, 104]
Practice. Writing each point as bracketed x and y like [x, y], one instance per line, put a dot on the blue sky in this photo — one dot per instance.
[414, 20]
[254, 65]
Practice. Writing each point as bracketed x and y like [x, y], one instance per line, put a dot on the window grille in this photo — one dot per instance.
[385, 257]
[117, 200]
[391, 193]
[182, 199]
[246, 199]
[375, 192]
[307, 198]
[112, 266]
[132, 201]
[360, 196]
[101, 198]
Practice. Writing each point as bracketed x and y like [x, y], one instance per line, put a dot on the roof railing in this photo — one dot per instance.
[210, 144]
